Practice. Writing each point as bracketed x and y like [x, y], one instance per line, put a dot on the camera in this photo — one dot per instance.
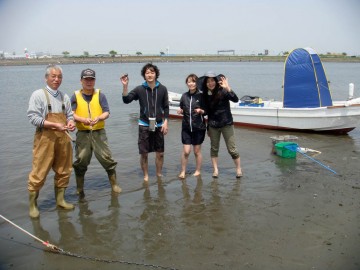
[152, 123]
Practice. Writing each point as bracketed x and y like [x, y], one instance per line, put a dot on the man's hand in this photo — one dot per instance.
[164, 127]
[71, 126]
[124, 79]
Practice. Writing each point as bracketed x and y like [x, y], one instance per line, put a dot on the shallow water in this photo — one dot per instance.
[283, 214]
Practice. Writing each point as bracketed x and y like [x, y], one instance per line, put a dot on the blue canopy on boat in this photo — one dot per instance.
[305, 82]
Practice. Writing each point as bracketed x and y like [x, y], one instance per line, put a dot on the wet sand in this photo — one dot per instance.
[282, 214]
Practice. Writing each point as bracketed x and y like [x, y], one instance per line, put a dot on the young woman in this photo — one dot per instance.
[217, 94]
[193, 124]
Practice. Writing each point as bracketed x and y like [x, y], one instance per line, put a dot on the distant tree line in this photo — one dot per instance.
[114, 53]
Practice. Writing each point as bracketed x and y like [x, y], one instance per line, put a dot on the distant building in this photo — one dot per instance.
[26, 55]
[226, 52]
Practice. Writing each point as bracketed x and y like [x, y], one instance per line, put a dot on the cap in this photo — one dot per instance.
[87, 73]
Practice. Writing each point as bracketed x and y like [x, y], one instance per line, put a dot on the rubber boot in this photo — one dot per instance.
[60, 201]
[112, 179]
[34, 211]
[80, 186]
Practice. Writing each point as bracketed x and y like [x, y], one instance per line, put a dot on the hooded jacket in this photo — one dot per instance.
[153, 102]
[191, 120]
[218, 107]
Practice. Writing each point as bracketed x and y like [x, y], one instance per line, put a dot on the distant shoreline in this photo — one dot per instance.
[160, 59]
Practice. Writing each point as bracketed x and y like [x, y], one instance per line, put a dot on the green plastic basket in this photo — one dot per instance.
[283, 151]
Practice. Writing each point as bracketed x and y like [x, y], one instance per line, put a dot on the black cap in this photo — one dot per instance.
[87, 73]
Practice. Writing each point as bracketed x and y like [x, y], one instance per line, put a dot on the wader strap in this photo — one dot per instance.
[48, 101]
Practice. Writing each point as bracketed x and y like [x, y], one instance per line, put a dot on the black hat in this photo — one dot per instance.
[87, 73]
[210, 74]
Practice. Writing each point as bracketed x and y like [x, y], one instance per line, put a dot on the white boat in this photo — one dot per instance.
[307, 105]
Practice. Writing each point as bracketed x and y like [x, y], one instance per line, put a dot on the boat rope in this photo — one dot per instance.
[55, 249]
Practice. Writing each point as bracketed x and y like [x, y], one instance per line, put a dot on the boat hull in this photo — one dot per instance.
[339, 119]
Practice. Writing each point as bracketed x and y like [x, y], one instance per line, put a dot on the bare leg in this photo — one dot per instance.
[184, 159]
[159, 163]
[238, 167]
[214, 161]
[144, 166]
[198, 159]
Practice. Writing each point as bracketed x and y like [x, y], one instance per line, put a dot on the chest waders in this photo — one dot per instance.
[52, 150]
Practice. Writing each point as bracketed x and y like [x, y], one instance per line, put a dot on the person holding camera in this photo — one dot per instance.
[154, 113]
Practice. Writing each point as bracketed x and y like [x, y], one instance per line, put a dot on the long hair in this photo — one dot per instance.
[213, 99]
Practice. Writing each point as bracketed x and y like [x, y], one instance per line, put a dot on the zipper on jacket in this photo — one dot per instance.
[190, 113]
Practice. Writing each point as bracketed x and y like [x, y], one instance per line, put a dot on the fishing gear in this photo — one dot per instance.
[296, 148]
[58, 250]
[68, 134]
[46, 243]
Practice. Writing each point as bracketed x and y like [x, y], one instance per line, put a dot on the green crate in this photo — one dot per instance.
[282, 151]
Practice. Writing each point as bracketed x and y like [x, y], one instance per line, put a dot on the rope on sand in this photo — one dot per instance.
[55, 249]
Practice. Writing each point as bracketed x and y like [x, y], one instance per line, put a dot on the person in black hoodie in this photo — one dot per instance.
[193, 124]
[218, 94]
[154, 113]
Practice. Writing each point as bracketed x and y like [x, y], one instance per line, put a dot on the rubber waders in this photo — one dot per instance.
[34, 211]
[114, 186]
[80, 186]
[60, 201]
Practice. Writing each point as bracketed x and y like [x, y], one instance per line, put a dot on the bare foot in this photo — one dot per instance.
[116, 188]
[239, 173]
[196, 173]
[182, 175]
[146, 178]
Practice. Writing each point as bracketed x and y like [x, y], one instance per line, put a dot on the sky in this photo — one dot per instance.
[179, 26]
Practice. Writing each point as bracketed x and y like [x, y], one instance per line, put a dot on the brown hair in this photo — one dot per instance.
[191, 76]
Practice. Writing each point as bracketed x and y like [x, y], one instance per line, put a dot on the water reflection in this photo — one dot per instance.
[88, 225]
[39, 231]
[286, 166]
[198, 198]
[100, 233]
[157, 222]
[68, 234]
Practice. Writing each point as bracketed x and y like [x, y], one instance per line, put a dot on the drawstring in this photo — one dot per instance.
[147, 98]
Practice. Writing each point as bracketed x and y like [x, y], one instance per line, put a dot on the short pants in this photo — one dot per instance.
[194, 138]
[150, 141]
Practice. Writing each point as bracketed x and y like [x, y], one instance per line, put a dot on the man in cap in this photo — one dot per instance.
[50, 111]
[91, 109]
